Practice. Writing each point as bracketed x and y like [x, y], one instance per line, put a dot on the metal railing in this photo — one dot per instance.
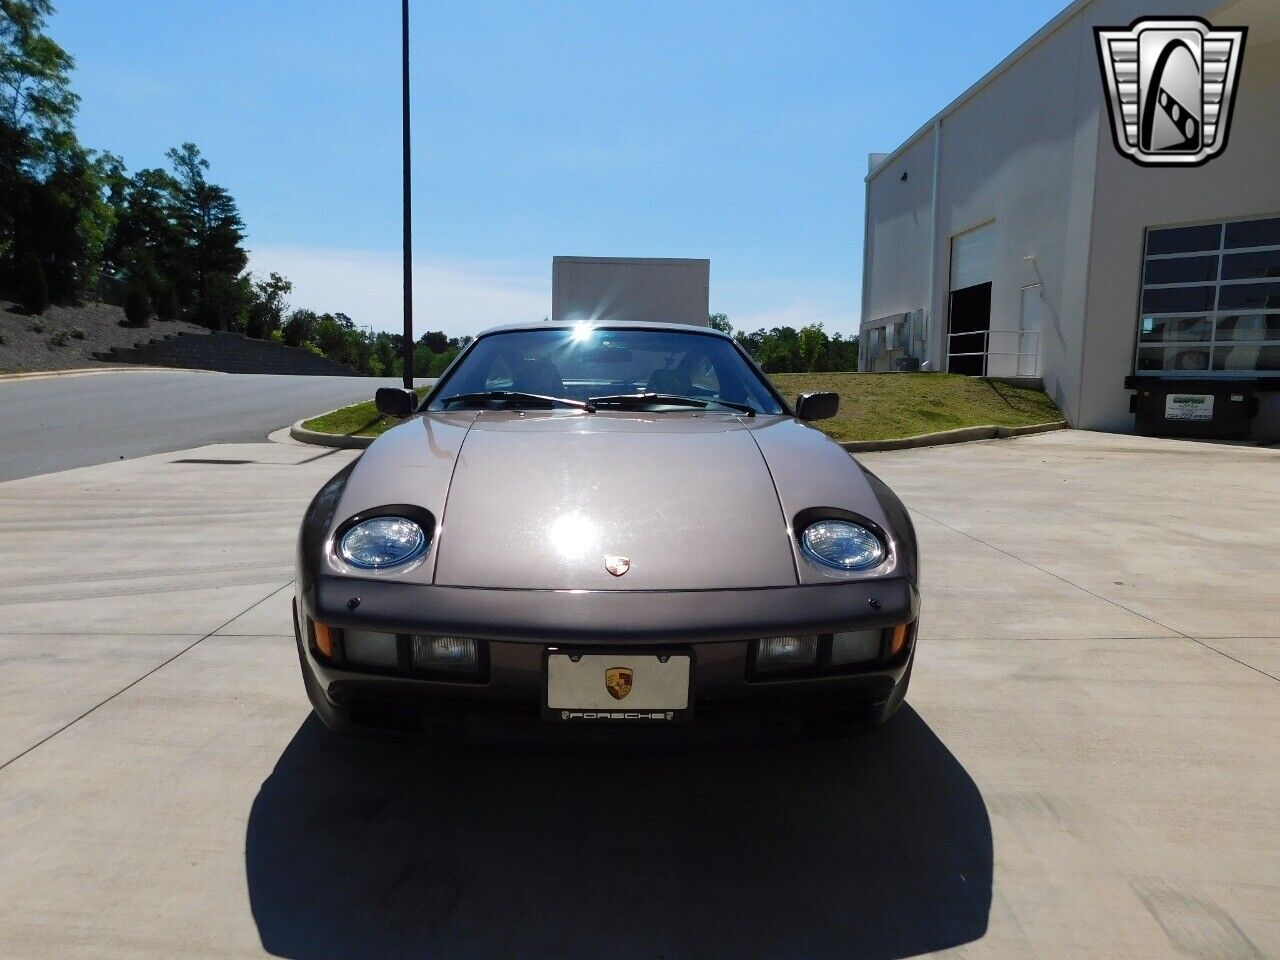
[1026, 352]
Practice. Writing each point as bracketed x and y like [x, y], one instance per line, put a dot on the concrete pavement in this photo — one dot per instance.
[1089, 766]
[60, 422]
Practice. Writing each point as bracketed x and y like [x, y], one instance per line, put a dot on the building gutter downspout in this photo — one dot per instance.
[866, 260]
[931, 317]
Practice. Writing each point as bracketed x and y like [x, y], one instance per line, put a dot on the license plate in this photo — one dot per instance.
[637, 687]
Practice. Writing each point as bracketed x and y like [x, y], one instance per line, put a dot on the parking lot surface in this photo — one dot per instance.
[1089, 765]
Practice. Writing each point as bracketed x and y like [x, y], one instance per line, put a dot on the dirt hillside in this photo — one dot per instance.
[24, 348]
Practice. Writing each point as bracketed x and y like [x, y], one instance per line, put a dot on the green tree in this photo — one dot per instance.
[137, 304]
[146, 238]
[51, 203]
[720, 321]
[35, 291]
[67, 222]
[225, 304]
[269, 306]
[300, 326]
[166, 301]
[330, 334]
[384, 360]
[35, 75]
[787, 350]
[209, 222]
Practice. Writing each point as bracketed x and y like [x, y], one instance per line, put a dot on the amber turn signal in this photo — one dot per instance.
[898, 641]
[323, 638]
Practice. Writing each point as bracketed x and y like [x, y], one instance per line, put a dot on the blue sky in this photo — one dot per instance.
[735, 131]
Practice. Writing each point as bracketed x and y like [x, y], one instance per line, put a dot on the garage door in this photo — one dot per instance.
[973, 257]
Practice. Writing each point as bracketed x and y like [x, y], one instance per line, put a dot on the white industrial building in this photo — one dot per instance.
[1009, 236]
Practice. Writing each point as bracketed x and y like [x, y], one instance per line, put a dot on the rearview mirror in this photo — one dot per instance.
[815, 406]
[395, 402]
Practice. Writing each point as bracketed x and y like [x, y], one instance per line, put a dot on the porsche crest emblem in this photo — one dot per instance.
[617, 565]
[617, 680]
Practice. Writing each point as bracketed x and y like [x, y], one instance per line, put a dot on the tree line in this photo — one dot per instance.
[788, 350]
[166, 243]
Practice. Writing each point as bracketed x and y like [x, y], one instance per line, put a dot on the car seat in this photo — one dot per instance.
[538, 376]
[669, 381]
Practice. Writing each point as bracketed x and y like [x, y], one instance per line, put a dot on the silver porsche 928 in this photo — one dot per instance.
[615, 531]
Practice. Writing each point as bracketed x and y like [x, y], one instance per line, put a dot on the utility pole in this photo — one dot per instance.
[408, 197]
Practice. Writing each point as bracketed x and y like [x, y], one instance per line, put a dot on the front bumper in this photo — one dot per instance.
[716, 626]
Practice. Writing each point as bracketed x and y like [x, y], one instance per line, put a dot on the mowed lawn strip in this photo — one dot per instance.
[357, 420]
[873, 406]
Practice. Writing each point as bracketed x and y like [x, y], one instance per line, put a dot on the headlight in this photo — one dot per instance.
[841, 545]
[382, 542]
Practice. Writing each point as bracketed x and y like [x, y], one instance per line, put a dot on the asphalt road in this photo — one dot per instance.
[60, 422]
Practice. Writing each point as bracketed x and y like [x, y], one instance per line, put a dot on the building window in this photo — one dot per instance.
[1211, 300]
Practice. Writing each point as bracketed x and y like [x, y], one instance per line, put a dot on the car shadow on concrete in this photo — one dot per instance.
[875, 847]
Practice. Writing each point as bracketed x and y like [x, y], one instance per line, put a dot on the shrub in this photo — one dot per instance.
[277, 336]
[35, 326]
[137, 303]
[59, 339]
[34, 287]
[77, 333]
[166, 303]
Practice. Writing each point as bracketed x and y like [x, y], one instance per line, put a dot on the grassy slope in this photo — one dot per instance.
[872, 406]
[882, 406]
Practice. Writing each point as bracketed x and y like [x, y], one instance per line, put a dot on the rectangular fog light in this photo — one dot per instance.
[452, 654]
[370, 649]
[786, 653]
[855, 646]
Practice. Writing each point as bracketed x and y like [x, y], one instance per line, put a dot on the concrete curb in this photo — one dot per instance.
[338, 440]
[961, 435]
[83, 371]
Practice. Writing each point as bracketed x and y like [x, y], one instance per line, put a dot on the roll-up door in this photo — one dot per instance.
[973, 255]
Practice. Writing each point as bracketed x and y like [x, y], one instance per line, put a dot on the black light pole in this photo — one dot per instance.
[408, 197]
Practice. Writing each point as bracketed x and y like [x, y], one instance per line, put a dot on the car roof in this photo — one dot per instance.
[604, 325]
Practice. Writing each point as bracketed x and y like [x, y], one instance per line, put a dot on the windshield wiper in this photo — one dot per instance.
[670, 399]
[511, 397]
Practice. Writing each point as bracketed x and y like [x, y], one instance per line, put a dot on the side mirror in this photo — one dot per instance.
[395, 402]
[814, 406]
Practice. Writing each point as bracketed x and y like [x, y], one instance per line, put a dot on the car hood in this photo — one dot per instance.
[543, 500]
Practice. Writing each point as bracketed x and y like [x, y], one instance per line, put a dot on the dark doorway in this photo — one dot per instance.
[969, 319]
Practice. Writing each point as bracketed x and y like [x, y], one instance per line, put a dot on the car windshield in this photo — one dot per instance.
[613, 366]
